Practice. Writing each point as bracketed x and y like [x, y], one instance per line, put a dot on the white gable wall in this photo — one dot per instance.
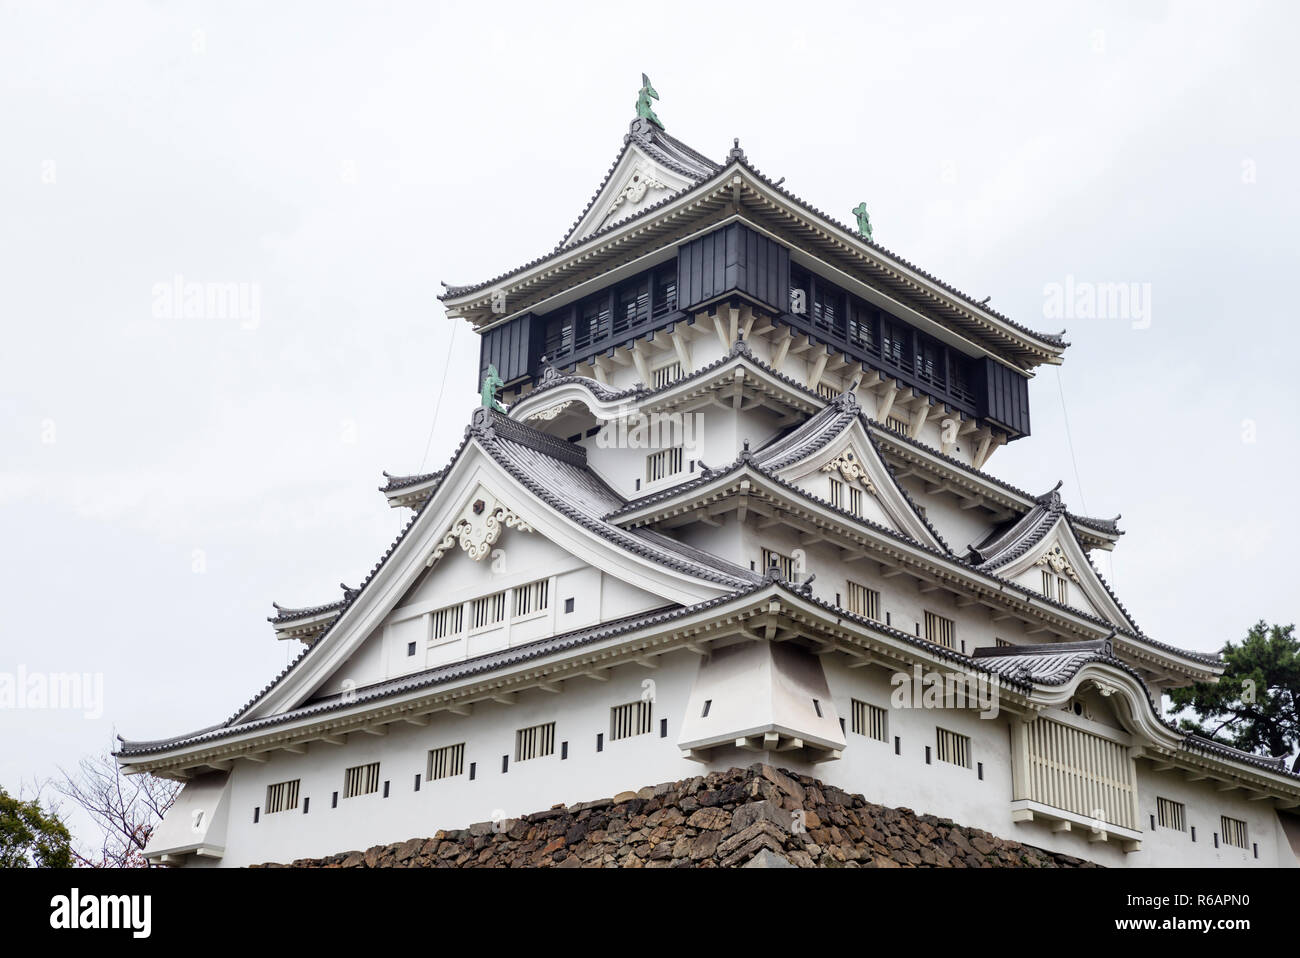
[518, 559]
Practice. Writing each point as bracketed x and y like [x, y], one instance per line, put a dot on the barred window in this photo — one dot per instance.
[863, 601]
[855, 500]
[869, 720]
[1001, 643]
[488, 610]
[634, 718]
[1056, 587]
[827, 391]
[535, 741]
[940, 631]
[897, 425]
[664, 463]
[447, 621]
[1234, 832]
[533, 597]
[837, 494]
[1171, 814]
[446, 762]
[282, 796]
[784, 563]
[952, 747]
[361, 780]
[663, 375]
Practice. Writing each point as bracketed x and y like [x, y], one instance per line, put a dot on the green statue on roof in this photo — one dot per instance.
[864, 221]
[643, 99]
[491, 383]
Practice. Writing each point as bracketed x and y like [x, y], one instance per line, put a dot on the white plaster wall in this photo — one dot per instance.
[959, 527]
[520, 558]
[581, 711]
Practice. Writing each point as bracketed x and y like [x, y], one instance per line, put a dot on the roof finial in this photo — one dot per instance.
[643, 99]
[864, 221]
[736, 152]
[488, 392]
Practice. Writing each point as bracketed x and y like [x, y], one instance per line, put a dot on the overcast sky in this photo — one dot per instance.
[164, 477]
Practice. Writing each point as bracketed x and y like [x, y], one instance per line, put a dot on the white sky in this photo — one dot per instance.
[344, 158]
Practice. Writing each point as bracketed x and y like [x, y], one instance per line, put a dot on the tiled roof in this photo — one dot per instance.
[1209, 658]
[1055, 339]
[568, 486]
[887, 435]
[1199, 743]
[1057, 664]
[434, 676]
[574, 491]
[1046, 664]
[1012, 540]
[810, 436]
[284, 615]
[401, 482]
[660, 147]
[670, 147]
[799, 443]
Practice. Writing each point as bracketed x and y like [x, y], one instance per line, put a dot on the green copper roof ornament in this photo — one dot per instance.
[864, 221]
[643, 102]
[491, 383]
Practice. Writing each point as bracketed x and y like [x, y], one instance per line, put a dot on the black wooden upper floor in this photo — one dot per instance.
[734, 261]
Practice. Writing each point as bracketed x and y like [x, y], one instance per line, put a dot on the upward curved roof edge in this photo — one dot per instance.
[1054, 342]
[1027, 684]
[483, 428]
[552, 378]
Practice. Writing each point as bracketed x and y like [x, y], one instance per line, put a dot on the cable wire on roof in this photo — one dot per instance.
[438, 405]
[1065, 415]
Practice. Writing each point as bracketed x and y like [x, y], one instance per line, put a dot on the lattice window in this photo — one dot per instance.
[446, 762]
[837, 494]
[855, 500]
[940, 630]
[1233, 831]
[870, 720]
[661, 376]
[282, 796]
[447, 621]
[952, 747]
[784, 563]
[533, 597]
[488, 610]
[634, 718]
[1001, 643]
[535, 741]
[863, 601]
[827, 391]
[664, 463]
[361, 780]
[1079, 772]
[897, 425]
[1171, 814]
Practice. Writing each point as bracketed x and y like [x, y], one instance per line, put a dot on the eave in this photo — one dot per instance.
[740, 190]
[741, 487]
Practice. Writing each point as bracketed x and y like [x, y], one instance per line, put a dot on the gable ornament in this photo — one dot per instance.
[1056, 560]
[851, 469]
[477, 536]
[634, 192]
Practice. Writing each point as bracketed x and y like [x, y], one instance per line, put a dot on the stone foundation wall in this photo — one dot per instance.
[753, 817]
